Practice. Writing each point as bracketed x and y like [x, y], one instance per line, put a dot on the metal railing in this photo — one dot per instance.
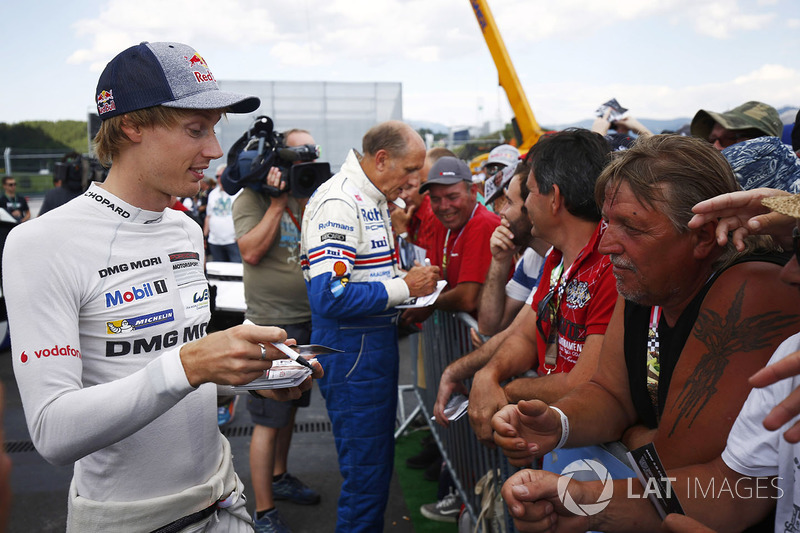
[445, 337]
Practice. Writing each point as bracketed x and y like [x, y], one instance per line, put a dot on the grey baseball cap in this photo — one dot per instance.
[447, 171]
[168, 74]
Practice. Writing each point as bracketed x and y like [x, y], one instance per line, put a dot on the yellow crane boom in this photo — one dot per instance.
[529, 130]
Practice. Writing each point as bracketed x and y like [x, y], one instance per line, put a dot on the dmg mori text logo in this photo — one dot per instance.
[590, 467]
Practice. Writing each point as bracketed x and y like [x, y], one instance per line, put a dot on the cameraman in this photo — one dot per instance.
[268, 233]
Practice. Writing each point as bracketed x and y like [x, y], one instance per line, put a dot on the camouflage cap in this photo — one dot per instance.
[750, 115]
[788, 205]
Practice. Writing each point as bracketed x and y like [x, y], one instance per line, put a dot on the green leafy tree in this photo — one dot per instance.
[67, 135]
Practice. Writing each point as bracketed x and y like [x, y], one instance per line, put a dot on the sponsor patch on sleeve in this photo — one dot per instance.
[339, 269]
[331, 236]
[195, 299]
[337, 286]
[186, 268]
[127, 325]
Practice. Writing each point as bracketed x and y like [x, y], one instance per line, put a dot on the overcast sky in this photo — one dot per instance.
[659, 58]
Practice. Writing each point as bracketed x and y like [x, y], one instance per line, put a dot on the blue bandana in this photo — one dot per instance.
[764, 162]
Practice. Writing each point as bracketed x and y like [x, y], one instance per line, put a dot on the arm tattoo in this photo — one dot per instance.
[724, 337]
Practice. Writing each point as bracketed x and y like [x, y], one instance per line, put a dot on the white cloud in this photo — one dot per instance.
[560, 102]
[122, 23]
[723, 19]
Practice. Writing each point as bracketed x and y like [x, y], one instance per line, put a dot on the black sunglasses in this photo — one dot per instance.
[795, 240]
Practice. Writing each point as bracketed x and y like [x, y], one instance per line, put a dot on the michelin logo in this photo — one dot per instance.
[127, 325]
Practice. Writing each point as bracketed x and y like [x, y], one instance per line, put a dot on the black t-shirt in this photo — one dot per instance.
[671, 341]
[12, 204]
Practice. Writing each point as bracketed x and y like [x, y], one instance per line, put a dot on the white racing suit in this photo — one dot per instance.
[353, 285]
[101, 296]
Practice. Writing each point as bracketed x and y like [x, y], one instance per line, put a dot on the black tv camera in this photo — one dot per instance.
[76, 171]
[261, 148]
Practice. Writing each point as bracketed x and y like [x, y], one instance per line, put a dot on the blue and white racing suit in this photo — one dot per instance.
[353, 285]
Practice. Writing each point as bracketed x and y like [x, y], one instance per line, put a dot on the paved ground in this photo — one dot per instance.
[40, 489]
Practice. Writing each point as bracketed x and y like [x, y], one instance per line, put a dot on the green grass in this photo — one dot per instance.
[416, 489]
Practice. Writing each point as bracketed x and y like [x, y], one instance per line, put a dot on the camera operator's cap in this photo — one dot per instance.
[788, 205]
[447, 171]
[750, 115]
[505, 154]
[168, 74]
[492, 191]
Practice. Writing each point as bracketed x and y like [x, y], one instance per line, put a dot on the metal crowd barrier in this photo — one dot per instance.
[445, 337]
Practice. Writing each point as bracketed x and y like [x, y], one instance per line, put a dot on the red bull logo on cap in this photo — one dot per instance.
[197, 61]
[105, 102]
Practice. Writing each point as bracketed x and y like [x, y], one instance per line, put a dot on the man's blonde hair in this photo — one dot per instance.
[111, 139]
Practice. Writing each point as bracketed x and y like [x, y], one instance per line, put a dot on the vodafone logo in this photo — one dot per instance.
[55, 351]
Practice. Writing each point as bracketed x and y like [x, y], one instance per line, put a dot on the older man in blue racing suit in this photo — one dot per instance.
[353, 284]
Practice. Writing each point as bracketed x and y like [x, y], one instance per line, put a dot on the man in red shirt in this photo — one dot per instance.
[560, 334]
[460, 244]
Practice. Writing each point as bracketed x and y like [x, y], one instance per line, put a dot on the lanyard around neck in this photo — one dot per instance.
[445, 257]
[653, 356]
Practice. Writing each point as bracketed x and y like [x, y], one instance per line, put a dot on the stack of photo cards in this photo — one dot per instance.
[283, 374]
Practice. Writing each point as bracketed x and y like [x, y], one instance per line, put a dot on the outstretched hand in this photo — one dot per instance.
[534, 504]
[526, 431]
[447, 387]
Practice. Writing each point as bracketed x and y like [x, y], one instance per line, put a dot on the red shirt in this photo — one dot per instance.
[468, 252]
[588, 296]
[422, 225]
